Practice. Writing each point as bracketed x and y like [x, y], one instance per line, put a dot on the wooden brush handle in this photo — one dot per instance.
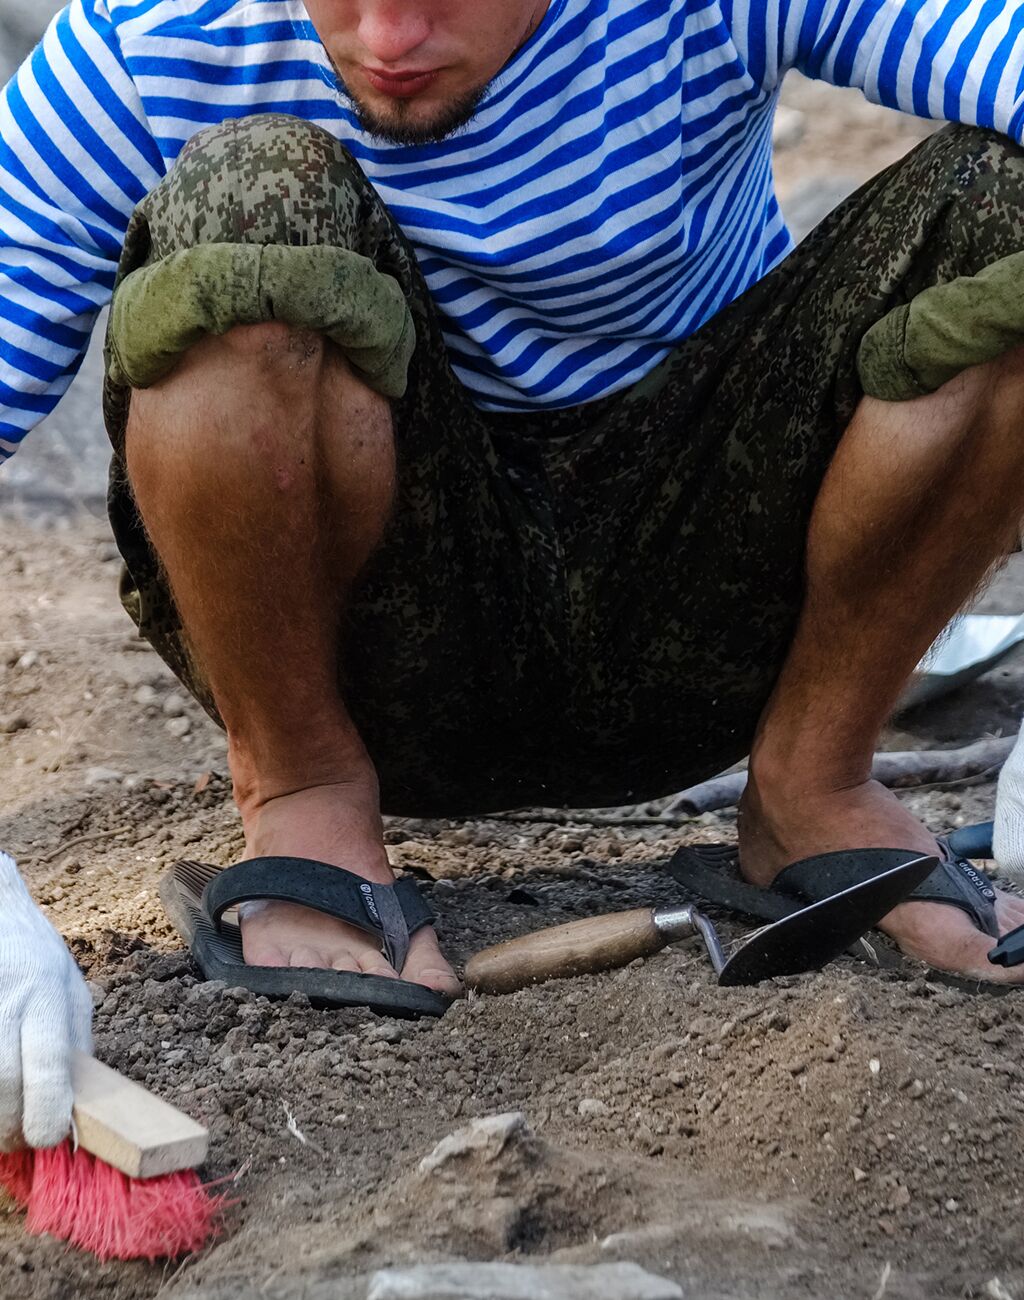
[121, 1123]
[579, 948]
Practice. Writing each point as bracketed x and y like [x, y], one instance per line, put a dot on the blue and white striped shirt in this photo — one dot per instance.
[612, 193]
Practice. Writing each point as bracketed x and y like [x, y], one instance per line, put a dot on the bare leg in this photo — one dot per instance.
[263, 470]
[920, 501]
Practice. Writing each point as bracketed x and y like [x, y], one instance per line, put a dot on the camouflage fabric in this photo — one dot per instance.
[588, 606]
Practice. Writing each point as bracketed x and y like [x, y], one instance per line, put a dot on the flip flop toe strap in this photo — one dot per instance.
[391, 913]
[954, 881]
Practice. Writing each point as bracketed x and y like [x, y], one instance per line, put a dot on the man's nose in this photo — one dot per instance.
[391, 30]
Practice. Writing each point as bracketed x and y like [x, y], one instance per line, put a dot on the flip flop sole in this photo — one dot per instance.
[218, 954]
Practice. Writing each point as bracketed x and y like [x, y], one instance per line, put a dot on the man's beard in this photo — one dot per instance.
[396, 128]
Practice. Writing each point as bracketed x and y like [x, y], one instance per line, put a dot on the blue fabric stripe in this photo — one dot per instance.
[60, 335]
[956, 76]
[932, 43]
[987, 107]
[114, 105]
[30, 363]
[849, 47]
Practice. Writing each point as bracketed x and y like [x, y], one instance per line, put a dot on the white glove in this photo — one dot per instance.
[1008, 835]
[45, 1011]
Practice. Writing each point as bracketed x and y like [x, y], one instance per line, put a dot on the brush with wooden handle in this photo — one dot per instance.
[123, 1124]
[124, 1185]
[585, 947]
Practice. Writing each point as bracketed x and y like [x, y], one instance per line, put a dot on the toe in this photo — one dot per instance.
[265, 954]
[372, 962]
[1010, 912]
[309, 958]
[441, 980]
[425, 965]
[946, 939]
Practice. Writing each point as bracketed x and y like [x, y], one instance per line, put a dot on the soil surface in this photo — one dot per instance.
[857, 1133]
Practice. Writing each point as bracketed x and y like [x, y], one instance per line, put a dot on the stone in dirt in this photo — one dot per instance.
[521, 1282]
[103, 776]
[485, 1139]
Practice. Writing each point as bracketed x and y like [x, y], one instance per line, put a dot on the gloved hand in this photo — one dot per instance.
[45, 1011]
[1008, 834]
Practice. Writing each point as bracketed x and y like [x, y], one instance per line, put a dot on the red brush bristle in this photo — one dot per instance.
[79, 1199]
[16, 1175]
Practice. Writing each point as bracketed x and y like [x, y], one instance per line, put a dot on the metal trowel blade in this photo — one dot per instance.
[812, 937]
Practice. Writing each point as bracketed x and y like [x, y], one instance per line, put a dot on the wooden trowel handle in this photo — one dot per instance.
[579, 948]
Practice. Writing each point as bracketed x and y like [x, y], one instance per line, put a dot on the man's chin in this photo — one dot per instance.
[414, 121]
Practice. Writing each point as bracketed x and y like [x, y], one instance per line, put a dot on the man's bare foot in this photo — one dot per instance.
[776, 830]
[338, 824]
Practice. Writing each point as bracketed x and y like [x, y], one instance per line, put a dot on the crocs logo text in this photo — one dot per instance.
[979, 882]
[368, 902]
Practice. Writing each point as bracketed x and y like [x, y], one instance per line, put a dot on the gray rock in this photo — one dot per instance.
[103, 776]
[487, 1137]
[788, 128]
[521, 1282]
[175, 705]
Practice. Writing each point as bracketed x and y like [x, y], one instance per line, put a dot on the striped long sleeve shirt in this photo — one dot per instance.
[611, 194]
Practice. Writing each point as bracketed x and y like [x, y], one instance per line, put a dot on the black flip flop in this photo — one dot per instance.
[711, 872]
[197, 897]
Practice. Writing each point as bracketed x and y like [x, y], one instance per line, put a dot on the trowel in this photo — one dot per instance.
[803, 941]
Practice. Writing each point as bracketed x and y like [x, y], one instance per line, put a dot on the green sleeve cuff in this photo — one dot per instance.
[160, 311]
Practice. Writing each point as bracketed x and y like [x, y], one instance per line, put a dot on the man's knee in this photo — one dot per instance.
[267, 374]
[262, 220]
[266, 179]
[277, 346]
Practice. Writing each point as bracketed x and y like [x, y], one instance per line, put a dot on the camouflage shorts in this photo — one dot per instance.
[589, 606]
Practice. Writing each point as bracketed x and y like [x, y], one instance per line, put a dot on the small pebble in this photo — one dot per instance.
[179, 727]
[103, 776]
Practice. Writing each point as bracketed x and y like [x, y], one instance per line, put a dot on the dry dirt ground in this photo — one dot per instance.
[855, 1134]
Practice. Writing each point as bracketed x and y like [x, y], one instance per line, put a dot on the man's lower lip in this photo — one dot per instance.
[400, 89]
